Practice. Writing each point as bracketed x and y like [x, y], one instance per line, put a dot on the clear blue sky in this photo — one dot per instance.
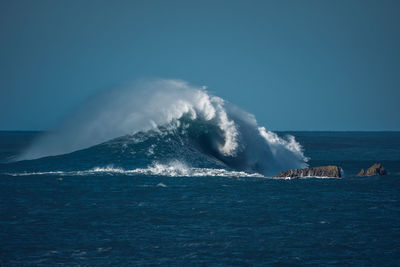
[296, 65]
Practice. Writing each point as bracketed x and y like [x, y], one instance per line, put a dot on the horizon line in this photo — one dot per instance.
[267, 129]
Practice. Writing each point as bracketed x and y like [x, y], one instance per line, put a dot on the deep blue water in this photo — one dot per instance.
[121, 218]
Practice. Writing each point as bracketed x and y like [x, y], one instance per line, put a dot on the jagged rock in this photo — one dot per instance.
[376, 169]
[323, 171]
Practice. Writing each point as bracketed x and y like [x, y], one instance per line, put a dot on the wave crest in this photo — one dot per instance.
[217, 128]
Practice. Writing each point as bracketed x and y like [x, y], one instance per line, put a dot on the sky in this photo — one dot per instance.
[296, 65]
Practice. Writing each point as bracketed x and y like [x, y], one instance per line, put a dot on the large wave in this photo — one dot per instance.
[172, 109]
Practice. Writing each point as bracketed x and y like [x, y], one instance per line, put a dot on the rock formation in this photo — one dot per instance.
[323, 171]
[376, 169]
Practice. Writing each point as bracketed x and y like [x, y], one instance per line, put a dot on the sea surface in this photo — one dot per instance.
[153, 199]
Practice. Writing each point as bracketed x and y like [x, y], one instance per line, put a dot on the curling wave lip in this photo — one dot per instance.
[172, 110]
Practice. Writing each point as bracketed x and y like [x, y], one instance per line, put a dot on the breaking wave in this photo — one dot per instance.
[144, 127]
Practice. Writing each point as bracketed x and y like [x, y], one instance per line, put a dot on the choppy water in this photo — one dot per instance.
[62, 210]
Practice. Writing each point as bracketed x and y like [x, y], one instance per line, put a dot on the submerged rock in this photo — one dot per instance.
[323, 171]
[376, 169]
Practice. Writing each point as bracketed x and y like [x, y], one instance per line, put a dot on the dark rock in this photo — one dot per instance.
[376, 169]
[323, 171]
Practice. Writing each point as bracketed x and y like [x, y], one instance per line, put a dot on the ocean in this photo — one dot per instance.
[160, 198]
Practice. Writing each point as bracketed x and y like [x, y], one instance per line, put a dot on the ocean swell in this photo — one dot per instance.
[172, 110]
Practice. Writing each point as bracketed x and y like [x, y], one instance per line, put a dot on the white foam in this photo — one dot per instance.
[149, 105]
[276, 143]
[173, 169]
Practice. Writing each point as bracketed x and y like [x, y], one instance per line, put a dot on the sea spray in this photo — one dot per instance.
[173, 118]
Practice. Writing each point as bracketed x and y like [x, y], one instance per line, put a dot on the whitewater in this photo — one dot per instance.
[165, 127]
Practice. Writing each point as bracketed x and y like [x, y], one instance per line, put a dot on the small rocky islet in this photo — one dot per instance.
[322, 171]
[330, 171]
[376, 169]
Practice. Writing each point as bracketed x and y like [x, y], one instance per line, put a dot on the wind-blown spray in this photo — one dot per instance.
[215, 127]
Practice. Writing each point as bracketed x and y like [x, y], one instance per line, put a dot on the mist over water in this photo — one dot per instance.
[217, 128]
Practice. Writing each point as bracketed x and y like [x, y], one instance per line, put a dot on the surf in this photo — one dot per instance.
[161, 121]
